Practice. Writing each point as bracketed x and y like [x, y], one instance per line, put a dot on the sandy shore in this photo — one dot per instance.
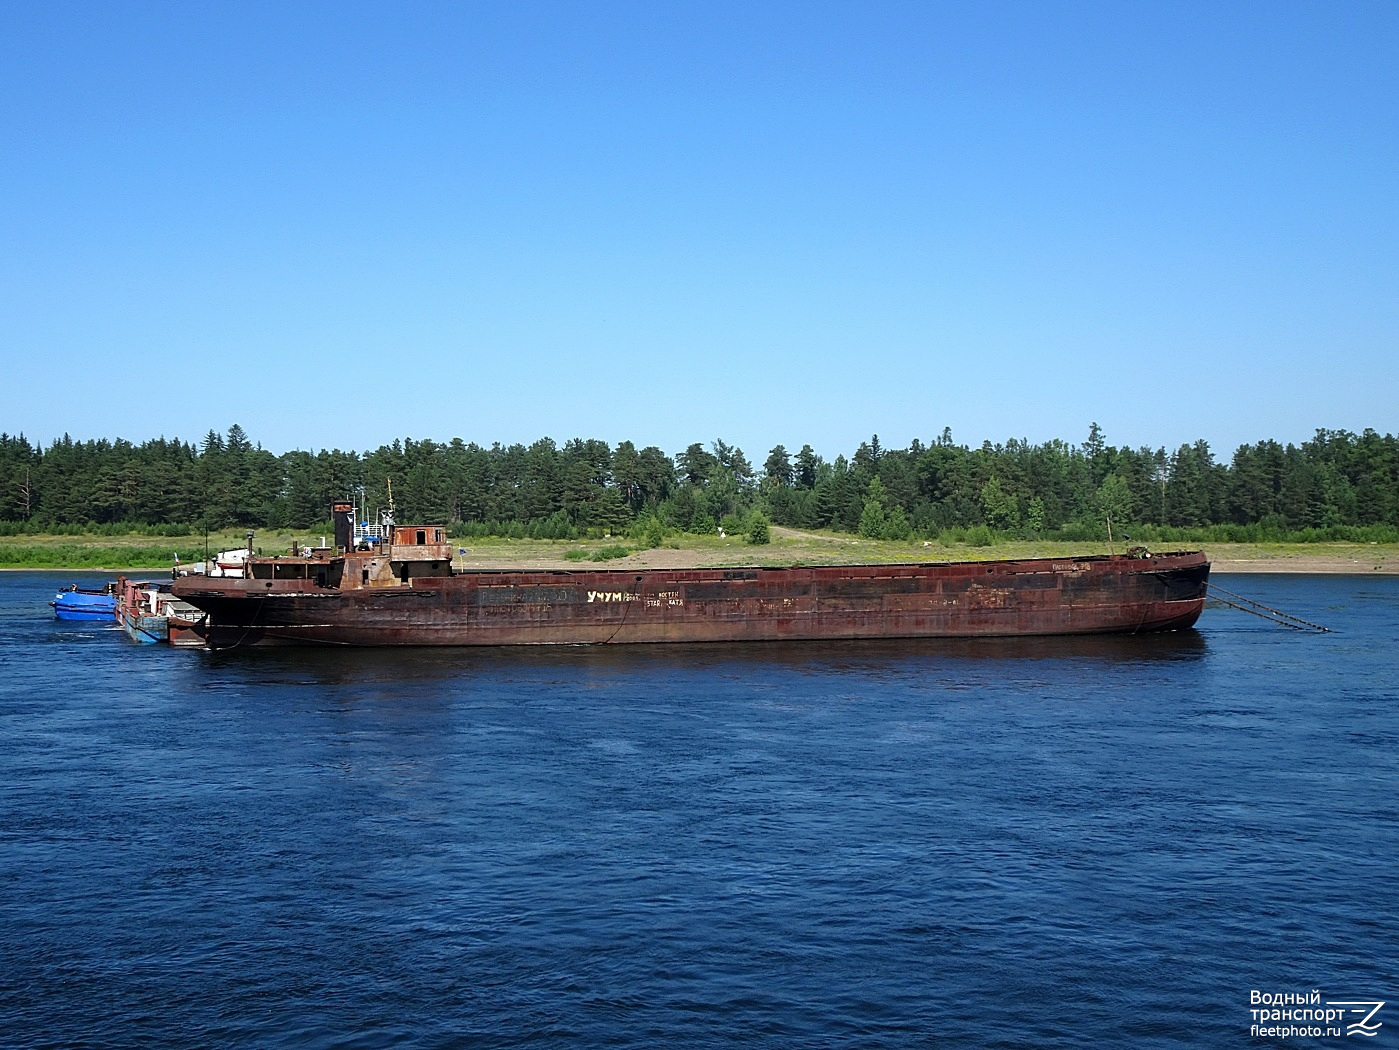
[1380, 564]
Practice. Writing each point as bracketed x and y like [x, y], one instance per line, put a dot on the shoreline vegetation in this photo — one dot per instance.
[784, 547]
[1328, 505]
[1336, 487]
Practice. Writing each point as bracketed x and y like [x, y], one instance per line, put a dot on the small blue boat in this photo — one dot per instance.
[76, 604]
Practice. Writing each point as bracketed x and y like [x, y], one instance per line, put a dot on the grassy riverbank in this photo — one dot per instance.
[44, 551]
[788, 547]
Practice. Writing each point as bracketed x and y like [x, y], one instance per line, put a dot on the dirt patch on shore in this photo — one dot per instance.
[1383, 562]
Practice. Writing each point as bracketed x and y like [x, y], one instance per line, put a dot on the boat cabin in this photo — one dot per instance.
[405, 553]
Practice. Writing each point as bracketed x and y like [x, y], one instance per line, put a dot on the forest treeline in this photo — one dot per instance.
[1336, 485]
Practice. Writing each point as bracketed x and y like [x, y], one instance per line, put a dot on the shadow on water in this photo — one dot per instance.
[338, 666]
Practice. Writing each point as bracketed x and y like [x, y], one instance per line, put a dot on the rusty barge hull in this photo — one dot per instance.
[1088, 595]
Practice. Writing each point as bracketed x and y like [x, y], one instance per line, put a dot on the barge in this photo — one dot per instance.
[403, 591]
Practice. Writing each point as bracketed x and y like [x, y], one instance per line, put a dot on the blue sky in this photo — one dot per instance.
[341, 223]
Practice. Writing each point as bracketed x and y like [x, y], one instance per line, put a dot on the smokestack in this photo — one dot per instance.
[343, 515]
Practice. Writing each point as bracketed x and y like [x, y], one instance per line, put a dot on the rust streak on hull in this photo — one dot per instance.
[1089, 595]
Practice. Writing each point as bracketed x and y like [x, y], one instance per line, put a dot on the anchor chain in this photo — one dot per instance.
[1267, 612]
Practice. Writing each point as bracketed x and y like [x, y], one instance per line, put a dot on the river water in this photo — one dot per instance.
[1113, 841]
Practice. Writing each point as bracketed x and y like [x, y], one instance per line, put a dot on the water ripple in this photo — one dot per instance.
[1044, 842]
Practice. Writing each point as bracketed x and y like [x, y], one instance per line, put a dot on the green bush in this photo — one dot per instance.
[556, 526]
[608, 553]
[896, 526]
[979, 536]
[872, 520]
[649, 531]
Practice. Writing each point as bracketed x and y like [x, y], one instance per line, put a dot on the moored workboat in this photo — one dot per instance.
[76, 603]
[403, 591]
[136, 611]
[150, 614]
